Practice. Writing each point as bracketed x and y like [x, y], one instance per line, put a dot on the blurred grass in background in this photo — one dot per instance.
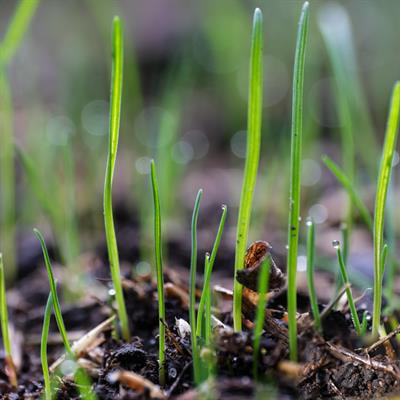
[184, 104]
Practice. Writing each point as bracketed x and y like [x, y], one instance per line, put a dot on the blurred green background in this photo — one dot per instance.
[185, 104]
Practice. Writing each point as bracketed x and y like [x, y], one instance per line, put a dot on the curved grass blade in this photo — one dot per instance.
[192, 289]
[345, 278]
[208, 271]
[260, 314]
[380, 202]
[310, 274]
[53, 290]
[160, 277]
[254, 117]
[344, 180]
[5, 333]
[115, 114]
[43, 347]
[295, 176]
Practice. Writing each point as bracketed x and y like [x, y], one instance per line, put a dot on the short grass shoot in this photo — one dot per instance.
[192, 289]
[254, 118]
[159, 270]
[5, 329]
[115, 116]
[263, 280]
[310, 274]
[295, 176]
[43, 347]
[385, 170]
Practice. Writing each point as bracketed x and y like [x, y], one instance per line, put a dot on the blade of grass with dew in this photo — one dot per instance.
[345, 278]
[254, 118]
[263, 280]
[5, 333]
[347, 184]
[295, 176]
[192, 289]
[208, 271]
[310, 274]
[115, 115]
[43, 347]
[53, 289]
[8, 47]
[380, 202]
[160, 276]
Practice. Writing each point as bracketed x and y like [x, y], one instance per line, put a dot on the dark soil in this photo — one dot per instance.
[333, 365]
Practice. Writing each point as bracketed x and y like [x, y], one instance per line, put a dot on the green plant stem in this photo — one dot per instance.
[53, 289]
[260, 313]
[295, 176]
[192, 289]
[310, 274]
[43, 347]
[115, 115]
[208, 325]
[160, 276]
[208, 271]
[350, 300]
[348, 185]
[254, 117]
[380, 202]
[5, 333]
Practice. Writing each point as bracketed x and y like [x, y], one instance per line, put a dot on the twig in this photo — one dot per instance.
[382, 340]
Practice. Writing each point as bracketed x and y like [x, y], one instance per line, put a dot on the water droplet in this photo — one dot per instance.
[335, 244]
[172, 372]
[287, 247]
[309, 222]
[299, 217]
[111, 292]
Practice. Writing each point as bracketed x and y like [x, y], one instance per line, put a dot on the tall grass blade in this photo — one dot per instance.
[160, 276]
[380, 202]
[5, 333]
[295, 176]
[254, 117]
[192, 289]
[348, 185]
[208, 271]
[115, 115]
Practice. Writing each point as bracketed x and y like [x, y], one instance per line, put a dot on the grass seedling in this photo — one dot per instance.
[43, 347]
[192, 289]
[8, 47]
[260, 313]
[348, 185]
[295, 176]
[53, 290]
[380, 202]
[254, 118]
[115, 115]
[208, 325]
[310, 274]
[159, 269]
[208, 271]
[346, 281]
[10, 366]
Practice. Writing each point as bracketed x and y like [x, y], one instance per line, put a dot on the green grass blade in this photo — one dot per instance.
[310, 274]
[192, 289]
[380, 202]
[5, 333]
[345, 278]
[263, 280]
[254, 118]
[115, 114]
[208, 271]
[344, 180]
[17, 28]
[160, 276]
[295, 176]
[53, 289]
[208, 325]
[43, 347]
